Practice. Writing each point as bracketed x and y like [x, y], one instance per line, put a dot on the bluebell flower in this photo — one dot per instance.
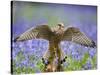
[92, 52]
[25, 63]
[88, 65]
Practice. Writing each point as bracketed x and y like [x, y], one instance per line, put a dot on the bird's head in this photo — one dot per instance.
[59, 28]
[60, 25]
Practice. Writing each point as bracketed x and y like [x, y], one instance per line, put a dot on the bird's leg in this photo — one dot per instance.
[46, 63]
[48, 59]
[64, 60]
[45, 60]
[61, 58]
[59, 54]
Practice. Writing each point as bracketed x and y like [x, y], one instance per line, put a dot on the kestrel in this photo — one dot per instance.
[55, 36]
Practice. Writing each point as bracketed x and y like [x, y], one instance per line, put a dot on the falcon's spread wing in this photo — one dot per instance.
[73, 34]
[42, 31]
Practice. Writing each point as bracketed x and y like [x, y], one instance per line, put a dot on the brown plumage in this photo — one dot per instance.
[55, 36]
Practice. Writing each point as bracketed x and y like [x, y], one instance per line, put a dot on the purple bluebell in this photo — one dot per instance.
[92, 52]
[88, 65]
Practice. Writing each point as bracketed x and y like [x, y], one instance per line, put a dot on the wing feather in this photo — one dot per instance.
[42, 31]
[73, 34]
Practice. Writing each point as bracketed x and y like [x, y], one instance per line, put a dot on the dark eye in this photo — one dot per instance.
[59, 24]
